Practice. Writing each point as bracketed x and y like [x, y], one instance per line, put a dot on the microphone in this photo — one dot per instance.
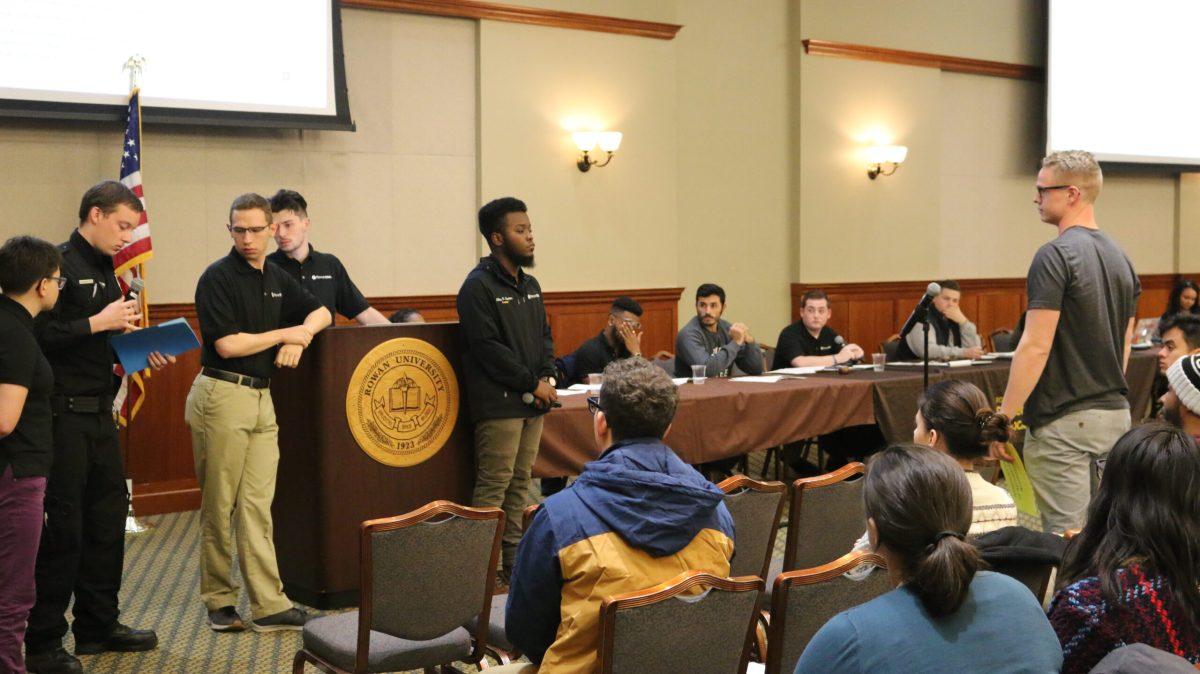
[528, 399]
[931, 291]
[136, 286]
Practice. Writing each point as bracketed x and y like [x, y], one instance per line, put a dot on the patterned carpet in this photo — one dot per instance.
[161, 591]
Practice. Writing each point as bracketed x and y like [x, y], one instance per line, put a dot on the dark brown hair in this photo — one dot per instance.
[813, 295]
[638, 399]
[920, 501]
[960, 412]
[107, 195]
[250, 201]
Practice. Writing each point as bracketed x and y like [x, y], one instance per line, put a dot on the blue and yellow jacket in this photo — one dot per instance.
[637, 516]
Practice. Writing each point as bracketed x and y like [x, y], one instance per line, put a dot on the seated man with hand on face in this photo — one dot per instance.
[620, 338]
[636, 517]
[716, 344]
[809, 342]
[951, 335]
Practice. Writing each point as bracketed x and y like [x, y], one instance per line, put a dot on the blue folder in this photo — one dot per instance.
[170, 339]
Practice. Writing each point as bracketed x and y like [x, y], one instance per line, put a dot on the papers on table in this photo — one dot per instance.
[934, 363]
[797, 371]
[568, 392]
[584, 388]
[762, 379]
[680, 381]
[170, 339]
[1001, 355]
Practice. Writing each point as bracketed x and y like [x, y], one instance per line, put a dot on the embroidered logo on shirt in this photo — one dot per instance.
[533, 296]
[274, 294]
[320, 278]
[504, 300]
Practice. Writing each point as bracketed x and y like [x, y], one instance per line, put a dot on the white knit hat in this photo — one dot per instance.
[1184, 377]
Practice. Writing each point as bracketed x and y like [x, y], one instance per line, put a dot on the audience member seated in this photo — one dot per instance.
[951, 335]
[620, 338]
[635, 517]
[954, 418]
[1180, 334]
[1181, 403]
[810, 341]
[946, 614]
[1132, 575]
[1182, 300]
[718, 345]
[406, 315]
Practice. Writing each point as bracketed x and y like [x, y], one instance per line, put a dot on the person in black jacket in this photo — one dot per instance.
[508, 362]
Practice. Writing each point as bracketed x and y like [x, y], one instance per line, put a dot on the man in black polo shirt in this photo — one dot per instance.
[83, 544]
[620, 338]
[810, 341]
[321, 274]
[243, 304]
[29, 276]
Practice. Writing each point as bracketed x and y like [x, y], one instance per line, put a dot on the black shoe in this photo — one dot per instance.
[123, 639]
[291, 619]
[225, 619]
[57, 661]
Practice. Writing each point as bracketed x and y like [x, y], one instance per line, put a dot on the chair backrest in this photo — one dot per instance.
[666, 361]
[566, 369]
[768, 354]
[756, 508]
[656, 631]
[891, 347]
[1002, 340]
[527, 516]
[989, 469]
[803, 601]
[827, 517]
[425, 573]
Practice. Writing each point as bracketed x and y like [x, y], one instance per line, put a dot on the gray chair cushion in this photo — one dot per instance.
[830, 520]
[335, 639]
[753, 529]
[809, 607]
[496, 635]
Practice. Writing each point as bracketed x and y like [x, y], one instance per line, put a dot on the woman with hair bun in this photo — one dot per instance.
[946, 614]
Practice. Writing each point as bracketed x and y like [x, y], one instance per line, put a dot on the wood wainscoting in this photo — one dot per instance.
[868, 313]
[158, 447]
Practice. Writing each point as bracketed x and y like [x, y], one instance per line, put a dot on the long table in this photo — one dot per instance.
[723, 418]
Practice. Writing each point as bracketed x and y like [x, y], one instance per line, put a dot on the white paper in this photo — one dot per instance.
[680, 381]
[798, 370]
[581, 388]
[960, 363]
[568, 392]
[764, 379]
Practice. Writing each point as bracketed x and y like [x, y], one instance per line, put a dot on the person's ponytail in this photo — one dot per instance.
[942, 575]
[993, 427]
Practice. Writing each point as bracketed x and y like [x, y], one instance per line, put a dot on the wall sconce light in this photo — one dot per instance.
[884, 159]
[587, 141]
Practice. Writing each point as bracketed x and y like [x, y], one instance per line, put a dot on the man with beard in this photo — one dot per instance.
[1181, 402]
[716, 344]
[508, 362]
[620, 338]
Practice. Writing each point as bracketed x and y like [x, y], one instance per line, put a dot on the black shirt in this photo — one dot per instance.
[795, 340]
[233, 297]
[594, 354]
[28, 448]
[82, 362]
[323, 275]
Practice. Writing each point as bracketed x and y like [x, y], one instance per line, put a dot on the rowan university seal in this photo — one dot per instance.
[402, 402]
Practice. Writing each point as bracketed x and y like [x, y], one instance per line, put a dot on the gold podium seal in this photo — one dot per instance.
[402, 402]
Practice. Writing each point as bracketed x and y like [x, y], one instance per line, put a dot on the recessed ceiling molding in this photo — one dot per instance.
[952, 64]
[474, 9]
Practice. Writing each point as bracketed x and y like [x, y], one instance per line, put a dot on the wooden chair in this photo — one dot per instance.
[1002, 340]
[656, 631]
[827, 517]
[499, 648]
[422, 576]
[890, 347]
[756, 508]
[803, 601]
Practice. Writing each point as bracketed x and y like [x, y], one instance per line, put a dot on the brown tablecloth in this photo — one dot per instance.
[719, 419]
[723, 418]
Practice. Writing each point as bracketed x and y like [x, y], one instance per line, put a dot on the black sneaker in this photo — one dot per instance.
[57, 661]
[225, 619]
[291, 619]
[123, 639]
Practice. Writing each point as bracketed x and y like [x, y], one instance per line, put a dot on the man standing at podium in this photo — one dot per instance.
[244, 304]
[508, 361]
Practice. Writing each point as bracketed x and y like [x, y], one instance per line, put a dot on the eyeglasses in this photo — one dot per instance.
[61, 281]
[246, 230]
[594, 404]
[1042, 190]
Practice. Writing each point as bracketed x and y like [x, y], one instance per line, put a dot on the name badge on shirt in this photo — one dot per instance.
[320, 278]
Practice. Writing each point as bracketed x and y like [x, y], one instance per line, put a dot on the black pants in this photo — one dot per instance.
[83, 542]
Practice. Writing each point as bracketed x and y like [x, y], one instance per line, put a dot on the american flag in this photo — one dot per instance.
[128, 262]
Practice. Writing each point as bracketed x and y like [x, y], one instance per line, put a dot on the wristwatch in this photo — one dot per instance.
[551, 381]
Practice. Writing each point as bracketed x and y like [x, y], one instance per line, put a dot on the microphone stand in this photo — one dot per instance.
[925, 327]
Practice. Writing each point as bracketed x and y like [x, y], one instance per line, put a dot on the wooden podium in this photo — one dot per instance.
[328, 485]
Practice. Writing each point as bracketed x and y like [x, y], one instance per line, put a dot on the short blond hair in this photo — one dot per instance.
[1079, 168]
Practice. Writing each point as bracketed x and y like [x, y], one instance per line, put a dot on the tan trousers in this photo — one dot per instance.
[504, 454]
[1063, 458]
[235, 441]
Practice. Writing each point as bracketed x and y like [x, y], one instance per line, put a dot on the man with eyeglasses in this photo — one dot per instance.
[253, 317]
[620, 338]
[321, 274]
[1068, 372]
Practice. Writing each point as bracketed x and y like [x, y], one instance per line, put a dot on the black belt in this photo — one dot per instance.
[235, 378]
[82, 404]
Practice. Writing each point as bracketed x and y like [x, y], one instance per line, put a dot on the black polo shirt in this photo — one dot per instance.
[233, 297]
[594, 354]
[82, 362]
[796, 340]
[28, 448]
[323, 275]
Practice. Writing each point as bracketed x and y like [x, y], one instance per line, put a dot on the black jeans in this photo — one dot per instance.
[83, 541]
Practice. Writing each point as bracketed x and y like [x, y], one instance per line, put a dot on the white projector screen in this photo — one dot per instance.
[1121, 80]
[245, 62]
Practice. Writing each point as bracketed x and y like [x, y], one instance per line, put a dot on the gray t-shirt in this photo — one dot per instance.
[1086, 276]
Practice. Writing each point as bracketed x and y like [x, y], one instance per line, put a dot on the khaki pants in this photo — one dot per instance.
[504, 454]
[235, 441]
[1062, 457]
